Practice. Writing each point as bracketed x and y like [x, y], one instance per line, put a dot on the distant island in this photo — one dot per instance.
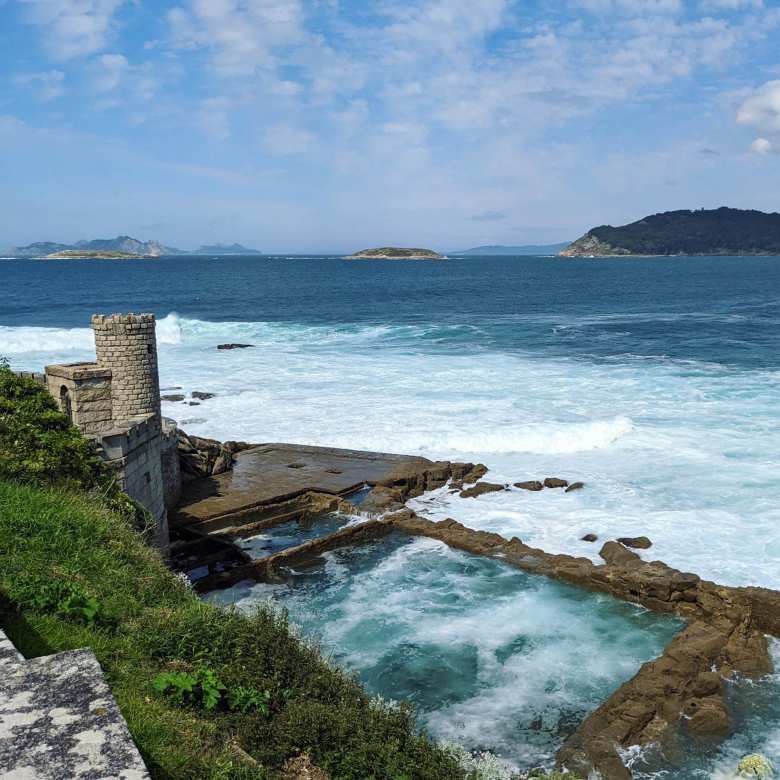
[526, 249]
[93, 254]
[125, 245]
[222, 249]
[722, 231]
[396, 253]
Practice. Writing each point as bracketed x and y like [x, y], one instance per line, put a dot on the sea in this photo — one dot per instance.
[655, 381]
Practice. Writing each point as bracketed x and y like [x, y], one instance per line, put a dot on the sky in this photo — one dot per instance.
[332, 125]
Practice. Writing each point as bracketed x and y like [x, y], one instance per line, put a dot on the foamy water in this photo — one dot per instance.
[686, 453]
[494, 659]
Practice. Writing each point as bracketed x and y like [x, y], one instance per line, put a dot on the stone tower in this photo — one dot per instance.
[116, 402]
[126, 344]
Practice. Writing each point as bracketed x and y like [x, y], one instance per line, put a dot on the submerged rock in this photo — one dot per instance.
[532, 484]
[555, 482]
[480, 489]
[172, 397]
[637, 542]
[590, 538]
[234, 346]
[575, 486]
[201, 396]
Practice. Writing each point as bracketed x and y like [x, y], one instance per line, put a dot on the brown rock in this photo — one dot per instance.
[615, 554]
[708, 684]
[475, 473]
[707, 717]
[201, 396]
[382, 499]
[234, 346]
[575, 486]
[480, 489]
[173, 397]
[533, 485]
[554, 482]
[637, 542]
[590, 538]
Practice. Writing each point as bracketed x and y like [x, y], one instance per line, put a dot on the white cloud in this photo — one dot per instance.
[761, 146]
[761, 109]
[110, 72]
[73, 28]
[48, 84]
[240, 34]
[284, 140]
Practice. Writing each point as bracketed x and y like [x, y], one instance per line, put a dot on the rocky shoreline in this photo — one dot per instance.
[726, 627]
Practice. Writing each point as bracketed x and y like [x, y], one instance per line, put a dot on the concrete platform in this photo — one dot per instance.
[271, 473]
[58, 719]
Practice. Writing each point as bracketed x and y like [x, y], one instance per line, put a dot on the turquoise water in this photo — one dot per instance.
[493, 658]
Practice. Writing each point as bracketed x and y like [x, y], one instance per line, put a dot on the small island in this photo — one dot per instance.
[93, 254]
[396, 253]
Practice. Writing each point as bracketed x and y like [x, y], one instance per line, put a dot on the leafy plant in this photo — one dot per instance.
[180, 686]
[61, 597]
[244, 699]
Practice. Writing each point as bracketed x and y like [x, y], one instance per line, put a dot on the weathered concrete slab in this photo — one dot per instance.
[59, 720]
[274, 472]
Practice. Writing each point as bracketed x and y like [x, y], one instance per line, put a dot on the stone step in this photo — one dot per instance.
[9, 655]
[58, 719]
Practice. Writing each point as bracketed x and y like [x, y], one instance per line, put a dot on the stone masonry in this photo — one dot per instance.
[116, 401]
[59, 720]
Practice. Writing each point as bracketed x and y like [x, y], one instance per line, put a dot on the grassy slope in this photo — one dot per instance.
[155, 623]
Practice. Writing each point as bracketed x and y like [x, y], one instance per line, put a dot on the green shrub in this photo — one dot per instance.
[39, 445]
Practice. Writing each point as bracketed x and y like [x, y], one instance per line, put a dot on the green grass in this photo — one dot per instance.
[148, 622]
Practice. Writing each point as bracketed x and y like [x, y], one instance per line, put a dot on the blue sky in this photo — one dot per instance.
[329, 125]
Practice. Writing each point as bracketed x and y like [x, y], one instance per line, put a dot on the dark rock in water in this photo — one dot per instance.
[616, 554]
[554, 482]
[532, 484]
[575, 486]
[474, 473]
[637, 542]
[201, 396]
[480, 489]
[707, 717]
[193, 403]
[590, 538]
[382, 499]
[234, 346]
[168, 389]
[174, 397]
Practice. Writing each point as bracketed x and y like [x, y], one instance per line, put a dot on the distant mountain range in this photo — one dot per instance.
[722, 231]
[127, 245]
[528, 249]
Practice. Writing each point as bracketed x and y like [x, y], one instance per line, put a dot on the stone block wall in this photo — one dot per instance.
[135, 453]
[83, 392]
[126, 344]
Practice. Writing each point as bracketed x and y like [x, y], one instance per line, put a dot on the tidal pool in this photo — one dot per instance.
[493, 658]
